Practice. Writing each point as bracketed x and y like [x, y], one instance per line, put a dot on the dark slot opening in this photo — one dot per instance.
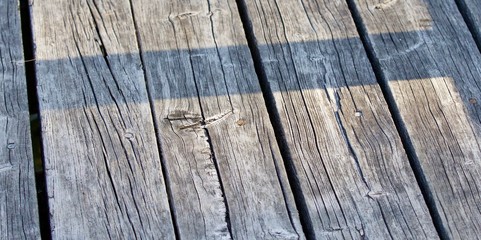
[398, 121]
[469, 19]
[29, 56]
[276, 122]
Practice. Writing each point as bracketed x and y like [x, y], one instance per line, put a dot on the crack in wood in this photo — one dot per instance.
[196, 120]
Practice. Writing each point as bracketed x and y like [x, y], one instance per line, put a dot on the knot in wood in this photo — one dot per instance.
[11, 145]
[241, 122]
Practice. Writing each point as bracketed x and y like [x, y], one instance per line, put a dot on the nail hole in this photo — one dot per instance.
[129, 135]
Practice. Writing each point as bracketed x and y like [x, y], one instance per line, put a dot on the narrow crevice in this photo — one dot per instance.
[168, 184]
[470, 22]
[399, 123]
[216, 165]
[211, 147]
[35, 125]
[29, 55]
[99, 40]
[353, 154]
[276, 122]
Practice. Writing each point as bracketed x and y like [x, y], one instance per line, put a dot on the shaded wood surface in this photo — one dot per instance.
[18, 199]
[471, 9]
[103, 168]
[223, 163]
[348, 159]
[433, 68]
[121, 81]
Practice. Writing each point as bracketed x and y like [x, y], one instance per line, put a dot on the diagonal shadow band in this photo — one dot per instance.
[109, 83]
[108, 79]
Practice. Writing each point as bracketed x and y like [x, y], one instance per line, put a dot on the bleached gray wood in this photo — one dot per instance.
[433, 69]
[213, 125]
[471, 9]
[103, 168]
[18, 199]
[351, 166]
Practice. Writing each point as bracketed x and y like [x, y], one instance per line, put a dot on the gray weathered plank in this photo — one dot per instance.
[103, 168]
[433, 67]
[472, 10]
[351, 166]
[214, 127]
[18, 200]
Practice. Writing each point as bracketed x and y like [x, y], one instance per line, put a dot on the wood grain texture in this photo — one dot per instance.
[225, 169]
[18, 199]
[471, 9]
[433, 68]
[351, 166]
[103, 168]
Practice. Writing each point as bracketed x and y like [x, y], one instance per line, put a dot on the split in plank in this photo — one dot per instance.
[18, 199]
[224, 166]
[103, 169]
[431, 65]
[347, 156]
[221, 157]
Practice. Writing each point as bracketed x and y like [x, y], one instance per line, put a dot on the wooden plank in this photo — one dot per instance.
[350, 163]
[433, 67]
[225, 169]
[103, 168]
[18, 199]
[472, 9]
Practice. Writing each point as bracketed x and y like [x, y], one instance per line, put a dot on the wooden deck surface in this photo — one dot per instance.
[240, 119]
